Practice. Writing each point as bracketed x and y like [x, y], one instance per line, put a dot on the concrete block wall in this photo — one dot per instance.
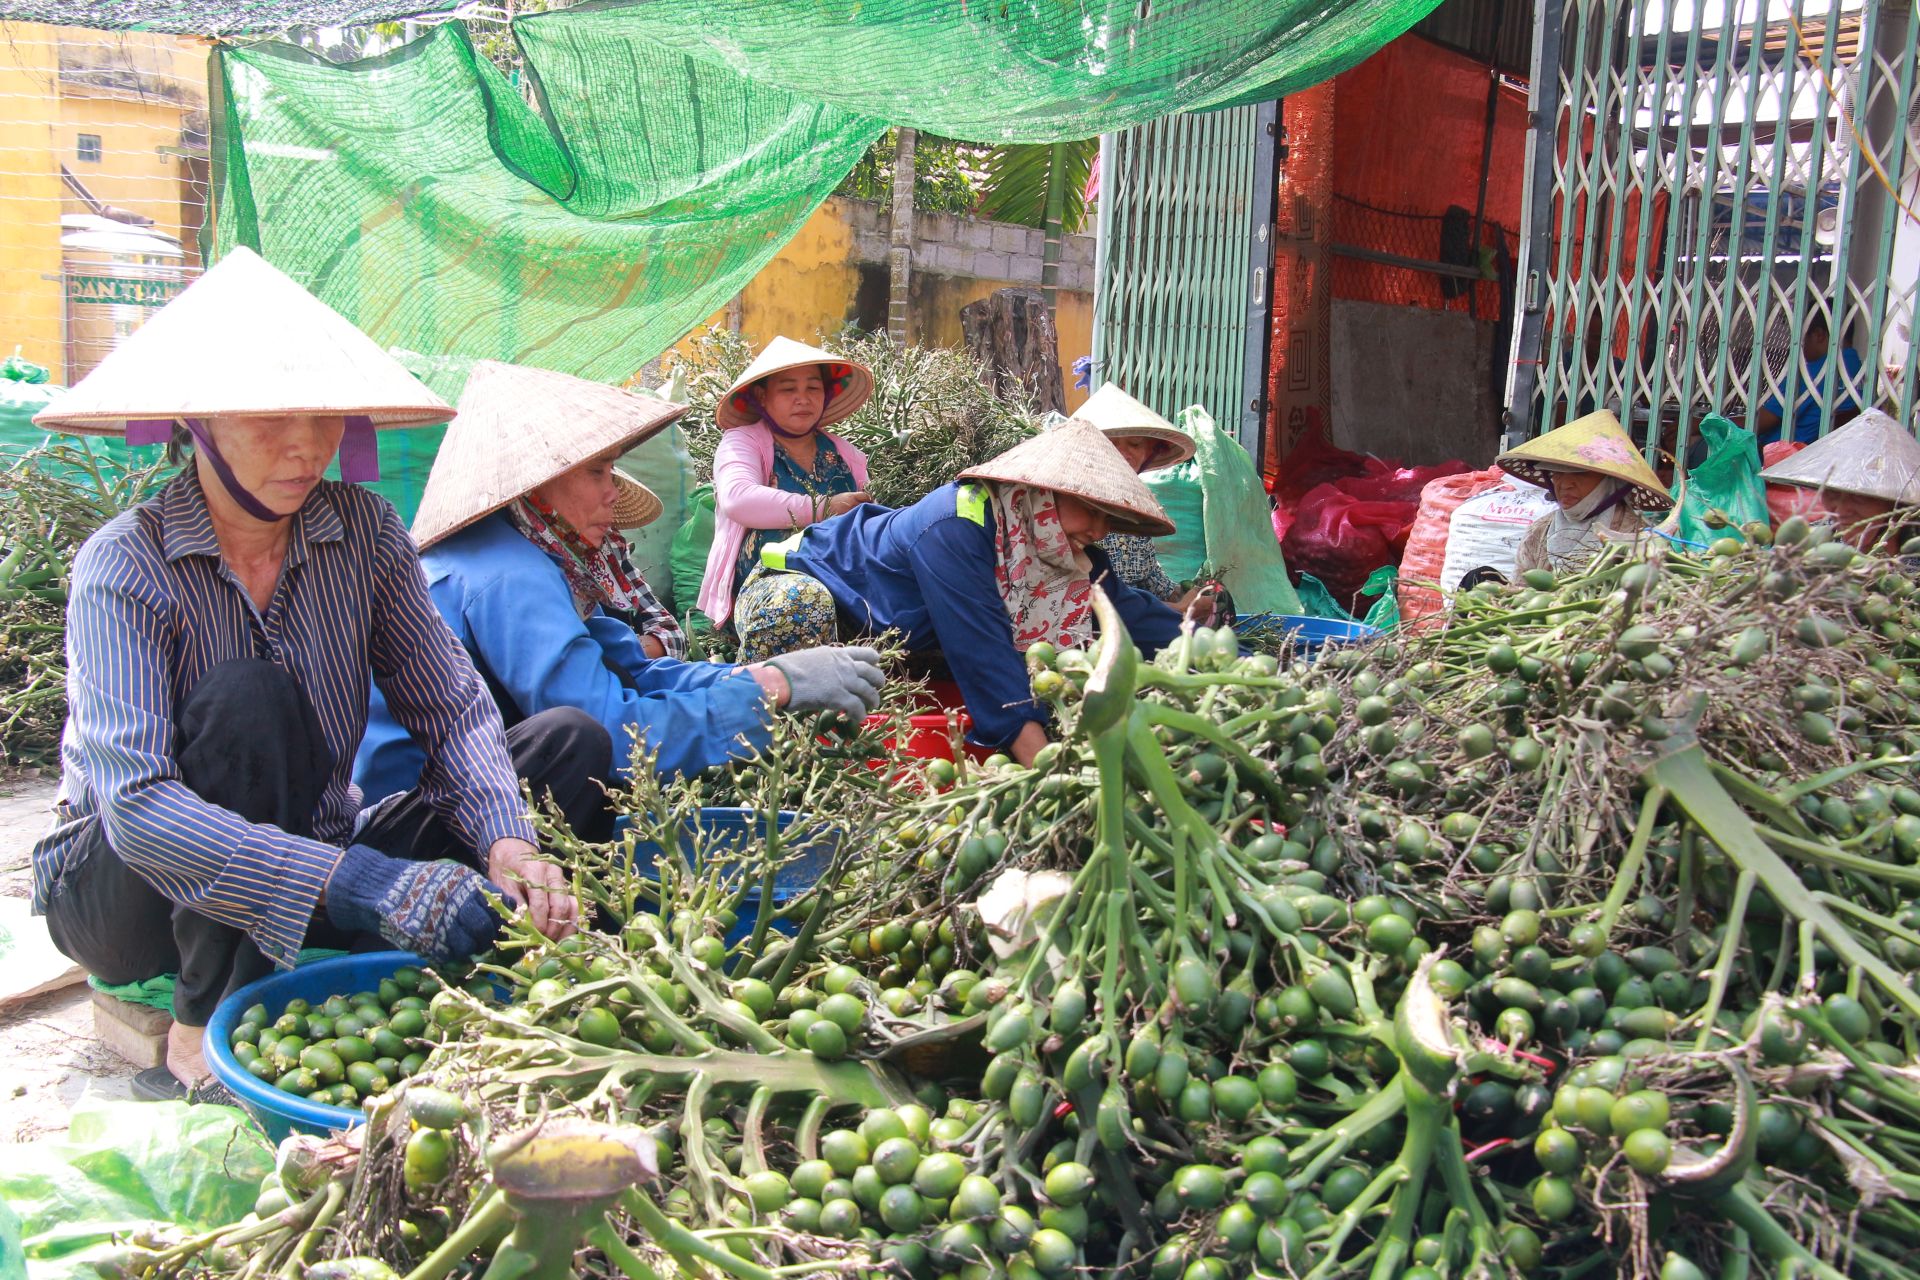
[970, 248]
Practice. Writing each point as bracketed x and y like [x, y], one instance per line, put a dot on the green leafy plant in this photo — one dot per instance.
[946, 175]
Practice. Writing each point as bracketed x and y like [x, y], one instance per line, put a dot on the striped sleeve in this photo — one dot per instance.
[120, 694]
[434, 693]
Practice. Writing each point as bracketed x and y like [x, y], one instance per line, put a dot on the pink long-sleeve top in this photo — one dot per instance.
[742, 500]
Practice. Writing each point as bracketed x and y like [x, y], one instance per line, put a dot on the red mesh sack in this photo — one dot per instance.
[1341, 539]
[1426, 550]
[1385, 482]
[1785, 500]
[1312, 462]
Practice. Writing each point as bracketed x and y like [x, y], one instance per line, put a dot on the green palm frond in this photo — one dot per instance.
[1020, 176]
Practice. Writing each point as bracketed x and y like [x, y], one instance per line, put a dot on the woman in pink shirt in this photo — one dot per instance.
[777, 470]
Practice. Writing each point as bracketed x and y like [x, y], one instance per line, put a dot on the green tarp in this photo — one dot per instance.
[680, 143]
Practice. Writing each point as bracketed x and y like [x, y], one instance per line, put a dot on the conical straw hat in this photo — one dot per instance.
[849, 383]
[519, 428]
[1873, 456]
[1120, 417]
[1595, 443]
[634, 505]
[244, 338]
[1076, 458]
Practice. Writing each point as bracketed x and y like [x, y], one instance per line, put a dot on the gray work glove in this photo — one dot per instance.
[830, 678]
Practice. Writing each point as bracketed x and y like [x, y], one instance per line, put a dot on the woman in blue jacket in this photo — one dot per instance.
[984, 568]
[519, 530]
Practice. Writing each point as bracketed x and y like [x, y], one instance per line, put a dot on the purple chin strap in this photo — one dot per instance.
[753, 402]
[359, 455]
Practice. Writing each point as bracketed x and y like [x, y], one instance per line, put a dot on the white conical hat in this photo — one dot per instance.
[1076, 458]
[849, 383]
[1120, 417]
[1872, 456]
[520, 427]
[244, 338]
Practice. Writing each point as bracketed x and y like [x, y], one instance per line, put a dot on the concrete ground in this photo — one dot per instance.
[48, 1055]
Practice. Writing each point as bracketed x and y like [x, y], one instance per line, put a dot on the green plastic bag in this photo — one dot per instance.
[123, 1165]
[1318, 602]
[1236, 542]
[1385, 613]
[1183, 553]
[1727, 486]
[24, 391]
[689, 554]
[664, 466]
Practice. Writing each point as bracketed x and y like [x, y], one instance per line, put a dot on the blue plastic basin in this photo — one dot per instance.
[276, 1112]
[732, 829]
[1309, 634]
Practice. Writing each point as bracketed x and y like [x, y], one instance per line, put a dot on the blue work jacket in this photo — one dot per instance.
[511, 608]
[928, 572]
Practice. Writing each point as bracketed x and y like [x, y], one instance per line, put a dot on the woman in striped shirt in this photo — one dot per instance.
[223, 637]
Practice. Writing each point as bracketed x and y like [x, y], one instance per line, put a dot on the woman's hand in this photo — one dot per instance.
[516, 867]
[652, 647]
[841, 503]
[773, 685]
[1027, 743]
[1198, 604]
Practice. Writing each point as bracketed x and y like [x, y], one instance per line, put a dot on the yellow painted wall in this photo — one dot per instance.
[45, 116]
[30, 307]
[934, 319]
[809, 286]
[808, 291]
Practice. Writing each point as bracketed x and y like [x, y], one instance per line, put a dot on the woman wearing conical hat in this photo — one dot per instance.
[777, 468]
[1601, 483]
[981, 569]
[519, 532]
[222, 639]
[1148, 442]
[1866, 473]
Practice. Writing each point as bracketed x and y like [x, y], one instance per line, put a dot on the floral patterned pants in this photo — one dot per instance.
[780, 612]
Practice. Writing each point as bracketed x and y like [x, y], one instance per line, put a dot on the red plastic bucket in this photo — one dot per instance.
[930, 735]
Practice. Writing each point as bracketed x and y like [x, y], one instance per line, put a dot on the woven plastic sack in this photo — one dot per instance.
[1784, 500]
[1233, 523]
[1486, 530]
[1726, 489]
[1426, 551]
[688, 555]
[123, 1166]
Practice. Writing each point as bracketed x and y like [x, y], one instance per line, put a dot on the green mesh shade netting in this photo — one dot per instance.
[679, 145]
[1020, 70]
[419, 195]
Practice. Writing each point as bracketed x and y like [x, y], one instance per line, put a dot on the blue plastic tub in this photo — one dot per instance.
[733, 829]
[276, 1112]
[1310, 635]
